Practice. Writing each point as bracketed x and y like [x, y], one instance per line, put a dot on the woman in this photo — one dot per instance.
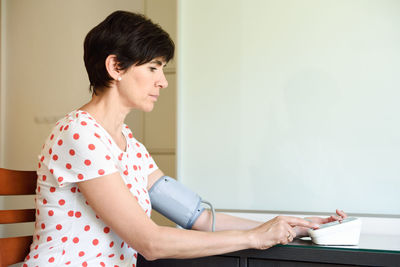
[93, 205]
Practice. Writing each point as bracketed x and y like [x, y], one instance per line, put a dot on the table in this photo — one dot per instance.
[373, 250]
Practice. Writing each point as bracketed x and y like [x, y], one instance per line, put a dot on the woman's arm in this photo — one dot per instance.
[228, 222]
[223, 222]
[204, 222]
[111, 200]
[153, 177]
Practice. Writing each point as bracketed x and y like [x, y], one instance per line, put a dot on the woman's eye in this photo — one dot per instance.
[153, 69]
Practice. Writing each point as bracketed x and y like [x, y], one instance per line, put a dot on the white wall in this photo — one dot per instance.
[43, 73]
[290, 105]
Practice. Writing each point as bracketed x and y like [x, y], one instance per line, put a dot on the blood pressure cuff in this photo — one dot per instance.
[175, 201]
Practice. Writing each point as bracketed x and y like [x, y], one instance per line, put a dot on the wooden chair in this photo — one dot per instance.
[14, 249]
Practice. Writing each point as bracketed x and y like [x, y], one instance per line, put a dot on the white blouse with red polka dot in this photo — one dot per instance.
[67, 230]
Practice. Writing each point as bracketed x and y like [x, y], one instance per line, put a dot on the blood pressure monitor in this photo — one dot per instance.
[346, 232]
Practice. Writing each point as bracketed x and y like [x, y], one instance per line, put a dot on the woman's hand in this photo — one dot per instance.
[279, 230]
[339, 216]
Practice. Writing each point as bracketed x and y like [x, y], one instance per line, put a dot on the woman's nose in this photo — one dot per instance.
[162, 82]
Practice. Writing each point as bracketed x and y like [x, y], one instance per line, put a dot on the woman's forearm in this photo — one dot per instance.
[166, 242]
[178, 243]
[223, 222]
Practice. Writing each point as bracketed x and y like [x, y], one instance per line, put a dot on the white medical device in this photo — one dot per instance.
[344, 233]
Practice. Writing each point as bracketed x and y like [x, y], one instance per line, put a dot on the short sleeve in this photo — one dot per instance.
[80, 153]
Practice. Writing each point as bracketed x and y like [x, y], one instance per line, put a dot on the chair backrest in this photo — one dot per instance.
[14, 249]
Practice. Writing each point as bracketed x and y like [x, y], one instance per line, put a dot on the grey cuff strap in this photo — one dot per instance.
[175, 201]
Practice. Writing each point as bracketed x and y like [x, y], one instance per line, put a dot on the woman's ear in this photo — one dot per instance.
[112, 67]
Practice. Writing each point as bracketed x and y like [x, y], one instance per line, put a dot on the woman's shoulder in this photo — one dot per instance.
[76, 126]
[73, 119]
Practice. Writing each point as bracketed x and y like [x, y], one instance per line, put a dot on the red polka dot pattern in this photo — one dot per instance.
[67, 231]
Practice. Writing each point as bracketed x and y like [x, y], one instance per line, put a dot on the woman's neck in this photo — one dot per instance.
[108, 111]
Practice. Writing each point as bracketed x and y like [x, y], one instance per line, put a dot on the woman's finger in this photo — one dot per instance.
[335, 218]
[296, 221]
[287, 236]
[292, 233]
[341, 213]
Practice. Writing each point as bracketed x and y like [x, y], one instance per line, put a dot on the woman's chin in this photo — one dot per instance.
[148, 108]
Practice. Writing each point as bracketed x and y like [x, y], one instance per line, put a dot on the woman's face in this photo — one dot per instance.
[140, 85]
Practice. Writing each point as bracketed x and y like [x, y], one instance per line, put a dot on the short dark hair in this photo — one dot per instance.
[132, 38]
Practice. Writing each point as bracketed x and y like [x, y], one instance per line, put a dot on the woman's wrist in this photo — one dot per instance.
[251, 239]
